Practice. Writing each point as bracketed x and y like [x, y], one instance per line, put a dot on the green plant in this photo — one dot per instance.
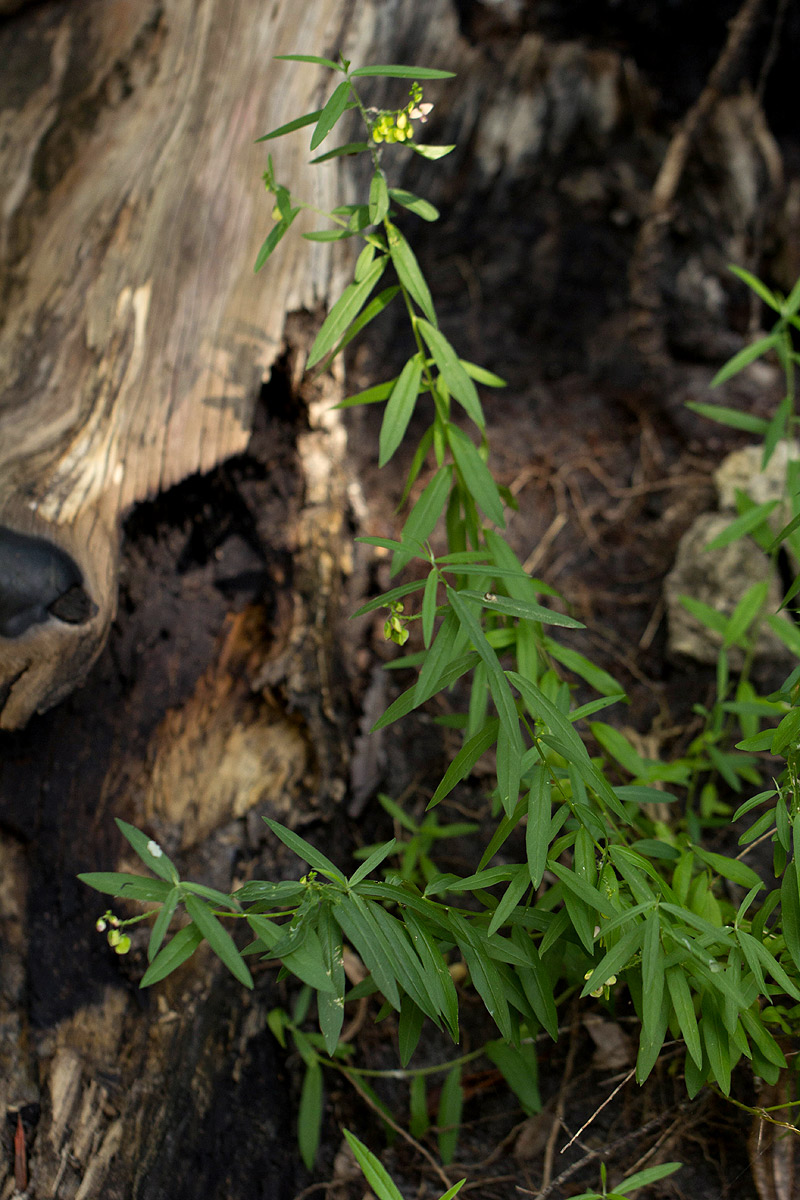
[607, 894]
[631, 1184]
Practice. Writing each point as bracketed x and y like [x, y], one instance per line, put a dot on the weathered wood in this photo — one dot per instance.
[136, 334]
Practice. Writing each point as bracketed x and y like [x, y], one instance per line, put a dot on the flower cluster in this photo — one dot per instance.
[394, 630]
[119, 942]
[396, 126]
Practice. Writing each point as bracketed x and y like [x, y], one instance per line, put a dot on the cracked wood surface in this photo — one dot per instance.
[135, 334]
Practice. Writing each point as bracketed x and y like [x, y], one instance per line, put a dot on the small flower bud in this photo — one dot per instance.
[100, 925]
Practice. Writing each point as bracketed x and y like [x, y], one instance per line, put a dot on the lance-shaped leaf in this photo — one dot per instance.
[399, 408]
[422, 519]
[345, 310]
[290, 126]
[331, 113]
[416, 204]
[448, 1119]
[400, 71]
[373, 1170]
[683, 1007]
[162, 922]
[537, 832]
[309, 1114]
[177, 950]
[744, 358]
[378, 198]
[218, 939]
[455, 377]
[466, 759]
[409, 273]
[131, 887]
[525, 610]
[149, 852]
[330, 1005]
[272, 240]
[304, 850]
[476, 475]
[361, 930]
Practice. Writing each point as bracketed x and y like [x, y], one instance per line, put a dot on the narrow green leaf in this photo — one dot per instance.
[360, 930]
[331, 113]
[378, 198]
[416, 204]
[440, 983]
[149, 852]
[271, 241]
[728, 868]
[600, 680]
[407, 966]
[648, 1176]
[537, 832]
[745, 356]
[615, 959]
[400, 408]
[373, 395]
[279, 895]
[408, 701]
[790, 911]
[481, 375]
[429, 608]
[386, 598]
[681, 997]
[409, 1028]
[218, 939]
[303, 849]
[306, 960]
[162, 923]
[476, 475]
[330, 1005]
[754, 950]
[133, 887]
[730, 417]
[455, 377]
[418, 1124]
[374, 860]
[344, 311]
[518, 1066]
[652, 972]
[408, 271]
[309, 1115]
[177, 950]
[374, 1172]
[584, 891]
[222, 899]
[290, 126]
[715, 1040]
[448, 1118]
[525, 610]
[422, 519]
[769, 298]
[705, 614]
[328, 235]
[395, 71]
[465, 760]
[430, 152]
[746, 523]
[511, 898]
[309, 58]
[340, 152]
[651, 1039]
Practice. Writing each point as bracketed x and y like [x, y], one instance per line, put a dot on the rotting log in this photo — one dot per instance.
[135, 335]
